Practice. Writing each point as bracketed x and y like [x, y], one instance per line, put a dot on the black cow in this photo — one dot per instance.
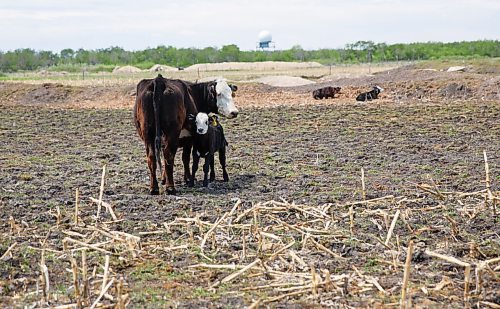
[208, 139]
[325, 92]
[370, 95]
[160, 114]
[209, 97]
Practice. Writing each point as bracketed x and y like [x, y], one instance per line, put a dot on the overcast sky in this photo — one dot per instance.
[313, 24]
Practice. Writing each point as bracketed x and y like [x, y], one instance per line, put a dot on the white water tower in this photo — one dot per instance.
[265, 41]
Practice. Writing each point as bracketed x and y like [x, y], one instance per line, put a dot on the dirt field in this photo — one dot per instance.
[293, 211]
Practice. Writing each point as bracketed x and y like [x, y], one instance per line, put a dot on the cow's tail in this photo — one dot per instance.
[156, 107]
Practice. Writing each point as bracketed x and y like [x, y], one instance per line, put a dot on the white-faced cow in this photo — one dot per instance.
[209, 97]
[370, 95]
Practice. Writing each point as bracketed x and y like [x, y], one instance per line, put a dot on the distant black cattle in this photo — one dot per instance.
[208, 139]
[370, 95]
[325, 92]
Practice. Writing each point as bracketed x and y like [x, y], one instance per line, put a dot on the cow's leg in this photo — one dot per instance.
[186, 156]
[153, 183]
[196, 161]
[164, 176]
[170, 151]
[212, 169]
[222, 160]
[164, 172]
[206, 167]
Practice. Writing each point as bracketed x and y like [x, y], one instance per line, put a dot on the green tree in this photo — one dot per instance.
[67, 55]
[230, 53]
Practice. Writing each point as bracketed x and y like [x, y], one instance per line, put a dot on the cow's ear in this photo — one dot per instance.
[191, 117]
[233, 87]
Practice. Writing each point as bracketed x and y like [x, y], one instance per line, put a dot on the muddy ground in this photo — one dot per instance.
[285, 147]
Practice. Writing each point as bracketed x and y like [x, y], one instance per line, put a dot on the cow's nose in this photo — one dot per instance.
[234, 114]
[200, 130]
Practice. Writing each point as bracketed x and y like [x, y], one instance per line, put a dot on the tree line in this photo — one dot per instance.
[359, 52]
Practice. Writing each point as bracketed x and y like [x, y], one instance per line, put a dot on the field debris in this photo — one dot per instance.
[271, 252]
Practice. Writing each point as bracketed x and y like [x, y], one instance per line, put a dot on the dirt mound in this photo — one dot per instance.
[162, 68]
[126, 69]
[46, 93]
[54, 94]
[258, 66]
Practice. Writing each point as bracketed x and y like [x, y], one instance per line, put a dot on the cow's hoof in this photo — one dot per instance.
[205, 183]
[171, 191]
[190, 184]
[154, 191]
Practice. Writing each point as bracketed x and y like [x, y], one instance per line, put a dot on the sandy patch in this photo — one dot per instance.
[283, 81]
[260, 66]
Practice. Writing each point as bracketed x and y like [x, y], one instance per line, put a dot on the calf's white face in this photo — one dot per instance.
[225, 103]
[379, 88]
[201, 123]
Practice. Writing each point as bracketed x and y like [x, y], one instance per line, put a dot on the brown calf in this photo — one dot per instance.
[325, 92]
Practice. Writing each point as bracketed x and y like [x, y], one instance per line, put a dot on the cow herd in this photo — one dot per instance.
[163, 115]
[329, 92]
[173, 113]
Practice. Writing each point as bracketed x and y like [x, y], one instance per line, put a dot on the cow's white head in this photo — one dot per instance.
[225, 102]
[201, 123]
[380, 89]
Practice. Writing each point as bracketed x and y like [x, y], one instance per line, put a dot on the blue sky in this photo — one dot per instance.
[135, 25]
